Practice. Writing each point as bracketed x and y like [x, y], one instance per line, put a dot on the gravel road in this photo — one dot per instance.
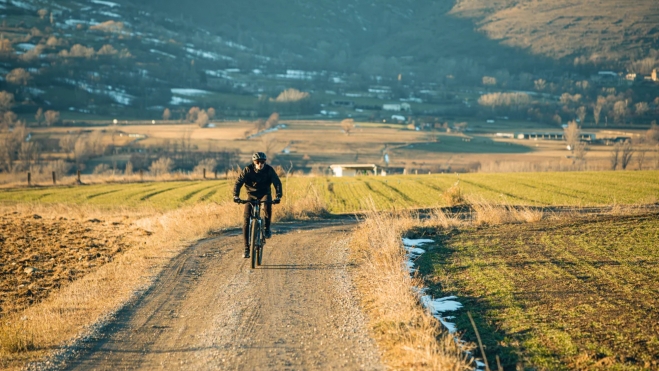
[210, 310]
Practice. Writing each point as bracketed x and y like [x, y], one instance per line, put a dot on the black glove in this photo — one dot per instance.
[236, 199]
[276, 200]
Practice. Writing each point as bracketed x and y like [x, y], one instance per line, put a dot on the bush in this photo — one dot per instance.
[161, 166]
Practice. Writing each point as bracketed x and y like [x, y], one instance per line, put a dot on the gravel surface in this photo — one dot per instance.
[210, 310]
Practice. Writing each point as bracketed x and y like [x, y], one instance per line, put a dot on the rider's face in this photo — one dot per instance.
[259, 164]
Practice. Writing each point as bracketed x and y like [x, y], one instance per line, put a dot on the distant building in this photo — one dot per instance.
[354, 169]
[553, 136]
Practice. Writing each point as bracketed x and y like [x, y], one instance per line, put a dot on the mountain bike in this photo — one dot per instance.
[256, 230]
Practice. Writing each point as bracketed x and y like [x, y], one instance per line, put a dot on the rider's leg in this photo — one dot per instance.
[247, 213]
[267, 216]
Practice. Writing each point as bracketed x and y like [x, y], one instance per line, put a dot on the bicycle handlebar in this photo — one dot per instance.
[257, 202]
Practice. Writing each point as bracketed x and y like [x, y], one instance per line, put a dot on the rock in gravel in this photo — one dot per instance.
[30, 270]
[35, 216]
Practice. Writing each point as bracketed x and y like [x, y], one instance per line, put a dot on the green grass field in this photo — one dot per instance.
[572, 294]
[345, 195]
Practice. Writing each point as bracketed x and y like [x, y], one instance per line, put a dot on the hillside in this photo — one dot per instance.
[591, 30]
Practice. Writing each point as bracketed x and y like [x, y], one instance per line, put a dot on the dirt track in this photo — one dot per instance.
[210, 310]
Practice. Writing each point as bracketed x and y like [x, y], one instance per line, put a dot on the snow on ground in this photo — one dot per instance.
[178, 100]
[190, 92]
[106, 3]
[26, 46]
[162, 53]
[438, 307]
[109, 14]
[118, 95]
[207, 55]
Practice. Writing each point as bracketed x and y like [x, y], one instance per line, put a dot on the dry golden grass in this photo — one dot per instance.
[453, 196]
[486, 212]
[410, 338]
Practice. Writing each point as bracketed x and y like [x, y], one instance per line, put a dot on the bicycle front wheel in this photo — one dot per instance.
[253, 241]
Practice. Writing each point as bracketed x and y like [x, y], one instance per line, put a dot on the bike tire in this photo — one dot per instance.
[260, 258]
[253, 241]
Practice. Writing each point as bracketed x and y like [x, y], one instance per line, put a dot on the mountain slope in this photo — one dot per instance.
[592, 29]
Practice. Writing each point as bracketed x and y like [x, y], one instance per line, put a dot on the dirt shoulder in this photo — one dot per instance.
[210, 310]
[39, 254]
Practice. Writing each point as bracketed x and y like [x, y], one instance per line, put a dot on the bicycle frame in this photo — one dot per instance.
[256, 231]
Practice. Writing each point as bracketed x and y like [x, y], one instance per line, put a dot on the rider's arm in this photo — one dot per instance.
[277, 183]
[239, 183]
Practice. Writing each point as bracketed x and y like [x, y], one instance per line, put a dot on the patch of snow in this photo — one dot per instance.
[257, 71]
[155, 41]
[106, 3]
[35, 91]
[419, 242]
[162, 53]
[190, 92]
[26, 46]
[178, 100]
[207, 55]
[235, 45]
[109, 14]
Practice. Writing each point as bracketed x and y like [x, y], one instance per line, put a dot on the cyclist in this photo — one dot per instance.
[258, 179]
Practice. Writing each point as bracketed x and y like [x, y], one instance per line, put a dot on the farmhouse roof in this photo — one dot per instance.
[353, 166]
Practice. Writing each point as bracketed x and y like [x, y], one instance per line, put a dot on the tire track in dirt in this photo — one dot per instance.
[209, 310]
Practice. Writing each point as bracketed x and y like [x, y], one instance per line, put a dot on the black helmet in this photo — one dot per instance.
[259, 156]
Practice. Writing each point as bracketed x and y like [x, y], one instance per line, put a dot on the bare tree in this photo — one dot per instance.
[620, 111]
[42, 13]
[581, 114]
[627, 154]
[202, 119]
[211, 113]
[166, 114]
[39, 116]
[640, 157]
[652, 135]
[540, 84]
[11, 145]
[18, 76]
[641, 108]
[193, 113]
[67, 144]
[347, 125]
[52, 117]
[28, 154]
[572, 135]
[80, 152]
[6, 101]
[615, 156]
[161, 166]
[272, 121]
[580, 151]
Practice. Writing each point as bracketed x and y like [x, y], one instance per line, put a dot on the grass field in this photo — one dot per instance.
[570, 294]
[345, 195]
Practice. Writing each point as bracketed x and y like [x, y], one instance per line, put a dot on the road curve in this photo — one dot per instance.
[209, 310]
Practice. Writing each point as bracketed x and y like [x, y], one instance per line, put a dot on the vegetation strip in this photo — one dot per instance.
[556, 294]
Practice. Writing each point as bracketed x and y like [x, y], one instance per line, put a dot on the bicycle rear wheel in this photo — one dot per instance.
[253, 242]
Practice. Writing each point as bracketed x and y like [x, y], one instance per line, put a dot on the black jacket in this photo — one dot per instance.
[258, 184]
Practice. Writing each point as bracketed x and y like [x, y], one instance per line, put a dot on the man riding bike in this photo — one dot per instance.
[258, 179]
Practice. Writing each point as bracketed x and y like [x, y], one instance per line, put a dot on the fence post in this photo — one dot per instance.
[215, 173]
[141, 175]
[78, 175]
[54, 179]
[204, 173]
[29, 179]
